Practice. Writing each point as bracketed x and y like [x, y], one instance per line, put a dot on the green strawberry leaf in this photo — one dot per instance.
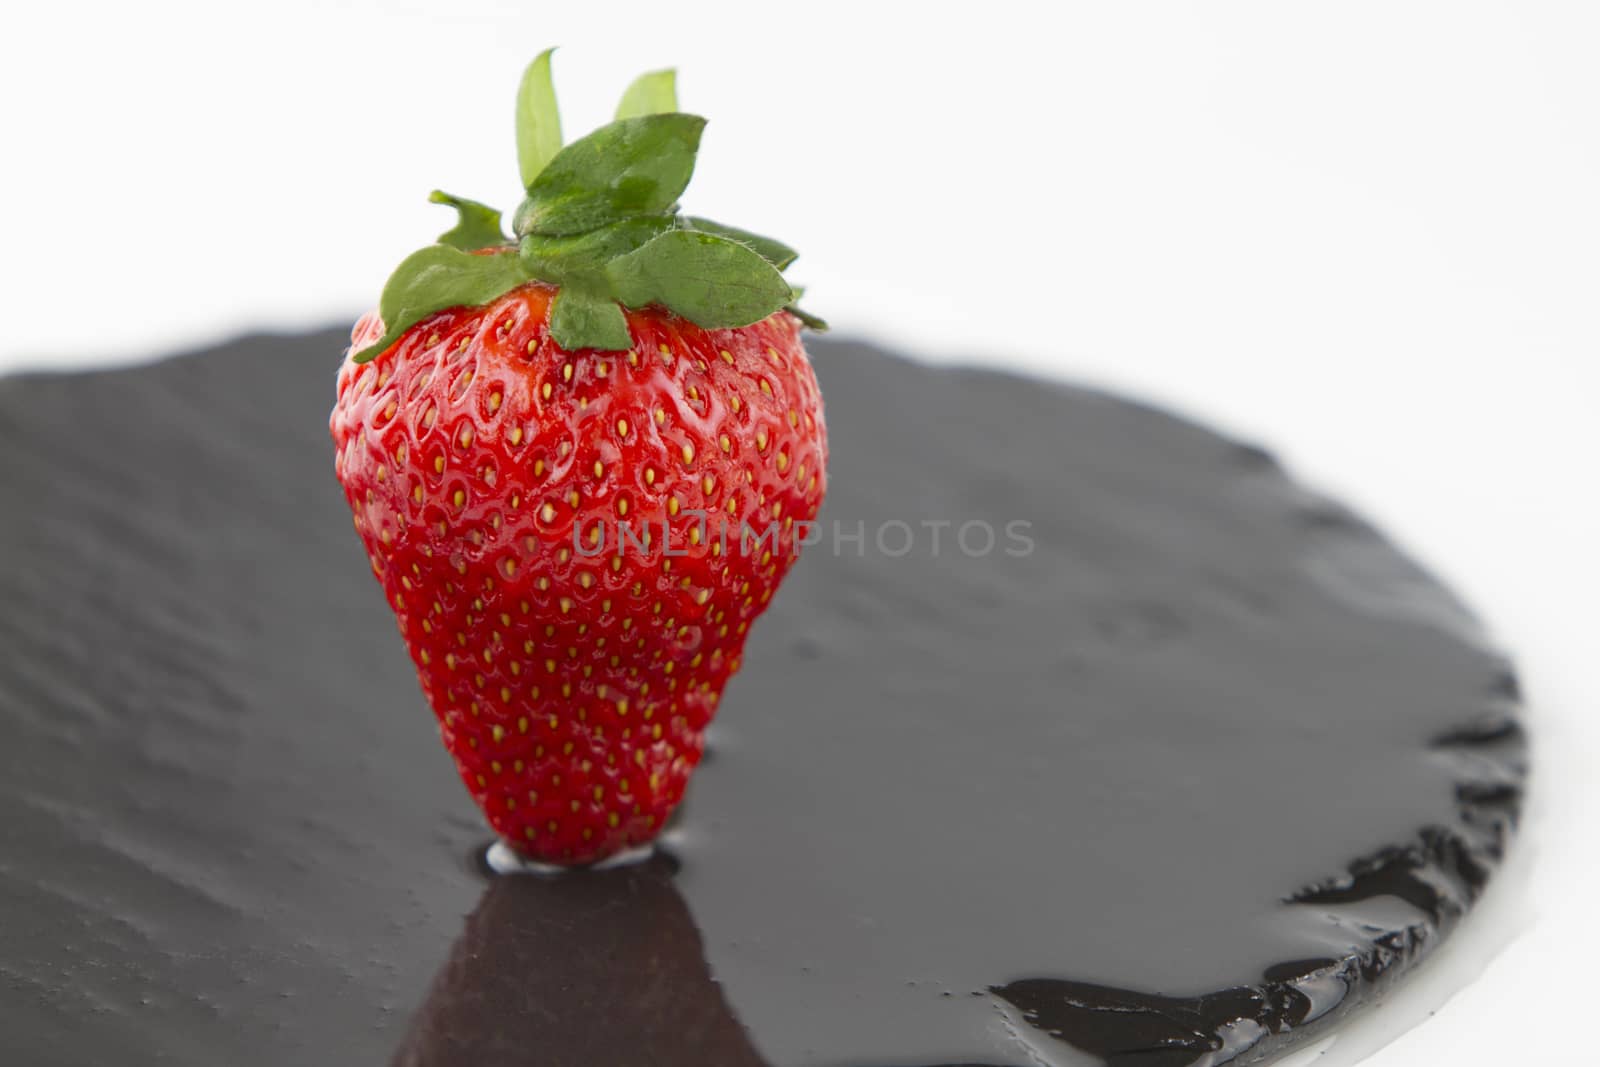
[712, 281]
[437, 278]
[777, 253]
[538, 119]
[477, 227]
[655, 93]
[808, 320]
[583, 317]
[600, 221]
[636, 166]
[558, 259]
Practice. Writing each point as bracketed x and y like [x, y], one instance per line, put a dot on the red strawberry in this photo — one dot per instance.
[502, 482]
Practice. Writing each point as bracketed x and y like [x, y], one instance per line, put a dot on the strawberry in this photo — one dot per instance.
[581, 463]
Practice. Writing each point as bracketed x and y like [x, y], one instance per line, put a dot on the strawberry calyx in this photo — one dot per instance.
[600, 220]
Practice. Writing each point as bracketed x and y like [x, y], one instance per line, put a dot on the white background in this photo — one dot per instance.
[1367, 234]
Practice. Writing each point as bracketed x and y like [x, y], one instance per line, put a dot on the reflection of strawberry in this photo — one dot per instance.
[556, 454]
[599, 968]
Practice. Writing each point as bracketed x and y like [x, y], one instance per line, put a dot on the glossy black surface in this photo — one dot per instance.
[1200, 772]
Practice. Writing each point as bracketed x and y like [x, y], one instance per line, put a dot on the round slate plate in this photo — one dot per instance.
[1175, 765]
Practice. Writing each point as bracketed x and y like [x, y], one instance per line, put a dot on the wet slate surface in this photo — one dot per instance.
[1188, 780]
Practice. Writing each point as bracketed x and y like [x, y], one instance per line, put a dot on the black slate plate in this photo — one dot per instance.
[1192, 777]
